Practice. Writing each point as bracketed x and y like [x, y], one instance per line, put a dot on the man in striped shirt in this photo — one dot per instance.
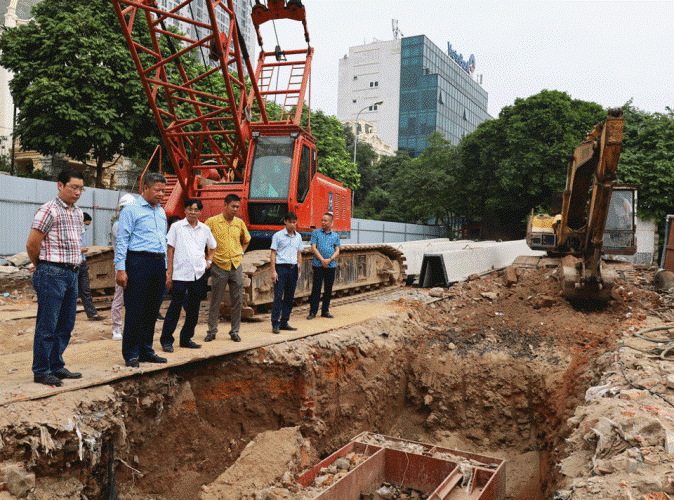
[55, 248]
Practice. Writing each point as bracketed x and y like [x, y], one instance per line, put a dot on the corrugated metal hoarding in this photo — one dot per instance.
[20, 198]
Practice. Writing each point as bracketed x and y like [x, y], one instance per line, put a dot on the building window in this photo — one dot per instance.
[354, 100]
[371, 84]
[355, 77]
[376, 84]
[370, 108]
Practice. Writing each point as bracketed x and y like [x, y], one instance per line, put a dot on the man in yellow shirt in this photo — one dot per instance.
[232, 238]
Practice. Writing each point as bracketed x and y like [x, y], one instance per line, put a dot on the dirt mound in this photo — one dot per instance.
[529, 315]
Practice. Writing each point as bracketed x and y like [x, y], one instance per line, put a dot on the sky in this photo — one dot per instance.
[606, 52]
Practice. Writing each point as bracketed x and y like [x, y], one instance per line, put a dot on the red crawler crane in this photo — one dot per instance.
[222, 144]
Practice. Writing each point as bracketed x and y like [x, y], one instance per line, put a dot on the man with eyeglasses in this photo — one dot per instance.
[233, 238]
[55, 248]
[186, 273]
[140, 260]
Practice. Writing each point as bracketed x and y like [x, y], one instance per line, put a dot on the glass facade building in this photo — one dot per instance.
[436, 94]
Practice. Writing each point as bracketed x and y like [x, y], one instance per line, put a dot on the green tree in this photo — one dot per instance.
[74, 83]
[333, 158]
[647, 159]
[428, 188]
[516, 162]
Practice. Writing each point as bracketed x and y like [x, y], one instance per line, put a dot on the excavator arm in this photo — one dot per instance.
[577, 233]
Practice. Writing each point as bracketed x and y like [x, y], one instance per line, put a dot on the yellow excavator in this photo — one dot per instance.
[596, 216]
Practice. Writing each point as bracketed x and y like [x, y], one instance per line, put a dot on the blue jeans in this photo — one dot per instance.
[56, 289]
[322, 275]
[284, 294]
[186, 294]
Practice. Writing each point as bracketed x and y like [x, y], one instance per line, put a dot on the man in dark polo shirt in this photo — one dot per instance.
[55, 248]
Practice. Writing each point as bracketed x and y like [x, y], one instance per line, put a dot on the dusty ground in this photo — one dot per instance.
[494, 366]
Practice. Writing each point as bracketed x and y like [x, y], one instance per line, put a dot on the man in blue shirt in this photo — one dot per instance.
[325, 247]
[286, 268]
[140, 260]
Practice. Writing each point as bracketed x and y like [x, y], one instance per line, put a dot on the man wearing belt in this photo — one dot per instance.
[232, 238]
[55, 248]
[325, 247]
[186, 275]
[286, 260]
[140, 260]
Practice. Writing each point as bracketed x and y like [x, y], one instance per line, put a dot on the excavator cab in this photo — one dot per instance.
[620, 231]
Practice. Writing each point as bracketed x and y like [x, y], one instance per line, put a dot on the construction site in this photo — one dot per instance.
[498, 378]
[448, 369]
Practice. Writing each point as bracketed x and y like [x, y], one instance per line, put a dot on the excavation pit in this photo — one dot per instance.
[452, 373]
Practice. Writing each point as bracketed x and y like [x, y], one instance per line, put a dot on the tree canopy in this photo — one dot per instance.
[74, 84]
[647, 160]
[516, 162]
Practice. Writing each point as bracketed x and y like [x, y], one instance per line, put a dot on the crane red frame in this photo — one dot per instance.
[217, 120]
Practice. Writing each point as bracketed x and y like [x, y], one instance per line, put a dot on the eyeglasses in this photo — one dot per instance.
[76, 189]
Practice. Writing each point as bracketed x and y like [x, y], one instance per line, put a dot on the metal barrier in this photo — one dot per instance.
[21, 197]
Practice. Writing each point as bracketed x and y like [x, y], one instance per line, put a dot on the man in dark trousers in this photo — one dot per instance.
[55, 248]
[140, 260]
[286, 262]
[186, 275]
[84, 286]
[325, 247]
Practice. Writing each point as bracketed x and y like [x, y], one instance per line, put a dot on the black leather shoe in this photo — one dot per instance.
[235, 337]
[209, 337]
[48, 379]
[275, 329]
[190, 345]
[288, 327]
[311, 316]
[327, 315]
[64, 373]
[133, 362]
[167, 348]
[151, 358]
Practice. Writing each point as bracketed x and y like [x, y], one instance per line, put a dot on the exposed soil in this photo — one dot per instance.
[490, 368]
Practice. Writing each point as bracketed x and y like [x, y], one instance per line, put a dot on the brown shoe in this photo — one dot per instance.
[209, 337]
[98, 317]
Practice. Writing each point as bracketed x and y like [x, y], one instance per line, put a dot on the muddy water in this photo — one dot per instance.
[178, 430]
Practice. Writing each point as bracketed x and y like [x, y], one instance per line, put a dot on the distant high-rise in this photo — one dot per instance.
[422, 90]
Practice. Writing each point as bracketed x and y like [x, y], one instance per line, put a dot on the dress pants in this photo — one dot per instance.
[219, 281]
[84, 290]
[190, 294]
[284, 294]
[56, 289]
[322, 275]
[142, 299]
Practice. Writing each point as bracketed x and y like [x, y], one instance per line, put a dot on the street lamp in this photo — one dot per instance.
[355, 130]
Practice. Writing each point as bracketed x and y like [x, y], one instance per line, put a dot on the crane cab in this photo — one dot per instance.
[282, 177]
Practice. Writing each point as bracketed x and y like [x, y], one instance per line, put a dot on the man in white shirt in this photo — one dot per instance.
[187, 263]
[286, 262]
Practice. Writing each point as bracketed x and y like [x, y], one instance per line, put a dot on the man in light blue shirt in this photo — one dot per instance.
[140, 260]
[286, 268]
[325, 247]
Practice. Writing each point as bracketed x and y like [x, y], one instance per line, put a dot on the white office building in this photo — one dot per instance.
[422, 89]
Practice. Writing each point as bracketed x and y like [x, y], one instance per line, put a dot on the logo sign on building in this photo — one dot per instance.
[469, 66]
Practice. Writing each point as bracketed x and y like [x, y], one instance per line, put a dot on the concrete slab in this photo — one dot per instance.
[101, 361]
[442, 266]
